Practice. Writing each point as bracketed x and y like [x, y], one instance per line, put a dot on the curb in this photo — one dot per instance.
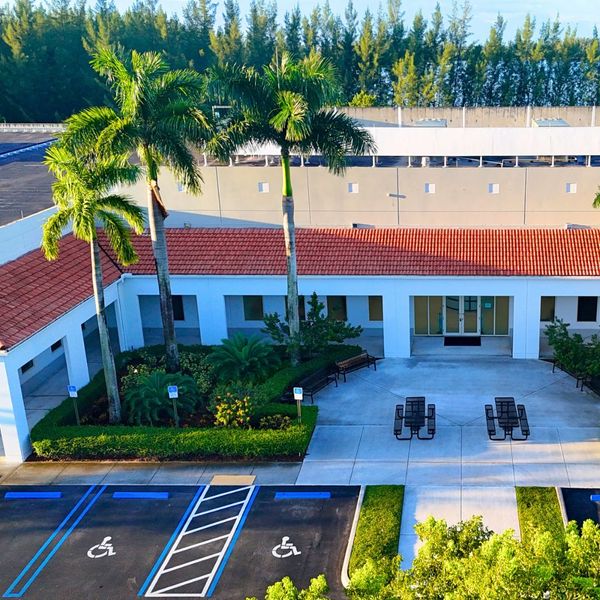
[561, 503]
[345, 577]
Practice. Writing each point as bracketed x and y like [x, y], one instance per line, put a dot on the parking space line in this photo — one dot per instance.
[302, 495]
[191, 562]
[10, 591]
[154, 591]
[212, 510]
[242, 489]
[171, 541]
[140, 495]
[215, 539]
[32, 495]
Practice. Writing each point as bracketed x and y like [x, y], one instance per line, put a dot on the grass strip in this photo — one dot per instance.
[539, 510]
[378, 529]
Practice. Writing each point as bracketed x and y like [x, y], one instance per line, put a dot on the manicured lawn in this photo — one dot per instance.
[539, 510]
[378, 528]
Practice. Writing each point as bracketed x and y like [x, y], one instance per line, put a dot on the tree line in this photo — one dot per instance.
[381, 59]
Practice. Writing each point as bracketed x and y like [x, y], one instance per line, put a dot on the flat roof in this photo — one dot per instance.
[35, 292]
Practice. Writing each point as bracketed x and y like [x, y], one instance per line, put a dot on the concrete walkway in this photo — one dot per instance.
[497, 506]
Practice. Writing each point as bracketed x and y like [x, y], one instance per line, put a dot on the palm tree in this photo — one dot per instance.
[288, 105]
[156, 115]
[82, 194]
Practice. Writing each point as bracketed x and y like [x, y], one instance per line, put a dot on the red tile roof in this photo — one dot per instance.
[34, 292]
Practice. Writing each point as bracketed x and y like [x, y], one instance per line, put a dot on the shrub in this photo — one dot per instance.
[234, 405]
[147, 401]
[132, 376]
[242, 358]
[275, 422]
[317, 331]
[200, 368]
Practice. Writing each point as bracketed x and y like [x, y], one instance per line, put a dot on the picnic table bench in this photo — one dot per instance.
[510, 416]
[355, 362]
[311, 384]
[414, 418]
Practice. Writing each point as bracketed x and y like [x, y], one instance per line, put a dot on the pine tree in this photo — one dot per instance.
[260, 35]
[227, 43]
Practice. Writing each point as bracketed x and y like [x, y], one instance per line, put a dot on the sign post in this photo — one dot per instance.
[73, 394]
[173, 395]
[298, 396]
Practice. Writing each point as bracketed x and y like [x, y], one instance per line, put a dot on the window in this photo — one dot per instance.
[336, 308]
[353, 188]
[547, 308]
[430, 188]
[178, 313]
[587, 308]
[375, 308]
[253, 308]
[263, 187]
[571, 188]
[56, 346]
[493, 188]
[28, 365]
[301, 308]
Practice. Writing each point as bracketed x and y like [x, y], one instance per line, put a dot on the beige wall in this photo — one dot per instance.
[527, 197]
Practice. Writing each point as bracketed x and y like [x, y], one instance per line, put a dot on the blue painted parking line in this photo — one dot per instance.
[234, 539]
[140, 495]
[172, 539]
[32, 495]
[302, 495]
[595, 497]
[10, 593]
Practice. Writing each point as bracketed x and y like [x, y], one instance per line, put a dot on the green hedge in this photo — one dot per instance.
[378, 529]
[57, 436]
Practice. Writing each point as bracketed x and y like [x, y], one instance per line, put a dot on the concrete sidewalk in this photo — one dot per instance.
[497, 506]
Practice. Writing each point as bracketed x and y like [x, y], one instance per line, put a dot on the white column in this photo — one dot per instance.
[526, 325]
[120, 328]
[396, 325]
[212, 316]
[130, 322]
[75, 355]
[13, 419]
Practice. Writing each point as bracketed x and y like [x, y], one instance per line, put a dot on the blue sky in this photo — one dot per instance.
[580, 13]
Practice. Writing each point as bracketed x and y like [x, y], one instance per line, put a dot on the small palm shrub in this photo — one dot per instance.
[241, 358]
[148, 403]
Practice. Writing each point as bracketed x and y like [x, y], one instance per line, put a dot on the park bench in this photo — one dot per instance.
[355, 362]
[524, 422]
[311, 384]
[490, 421]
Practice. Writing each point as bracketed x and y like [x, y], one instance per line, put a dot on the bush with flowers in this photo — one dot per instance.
[234, 405]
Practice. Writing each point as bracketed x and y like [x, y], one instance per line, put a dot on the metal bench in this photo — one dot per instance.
[490, 421]
[523, 421]
[355, 362]
[311, 384]
[398, 421]
[431, 419]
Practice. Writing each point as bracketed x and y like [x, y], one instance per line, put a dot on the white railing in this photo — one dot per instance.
[32, 127]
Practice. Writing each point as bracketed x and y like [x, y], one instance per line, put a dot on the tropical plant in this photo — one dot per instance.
[286, 590]
[147, 402]
[200, 368]
[574, 354]
[157, 116]
[317, 331]
[81, 194]
[287, 104]
[234, 405]
[242, 358]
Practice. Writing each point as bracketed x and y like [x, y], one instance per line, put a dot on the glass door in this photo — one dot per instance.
[452, 315]
[461, 315]
[470, 315]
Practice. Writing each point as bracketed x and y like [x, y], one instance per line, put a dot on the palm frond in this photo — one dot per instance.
[119, 237]
[85, 127]
[52, 232]
[290, 119]
[132, 214]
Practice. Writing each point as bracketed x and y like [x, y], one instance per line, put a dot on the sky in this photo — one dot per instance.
[582, 14]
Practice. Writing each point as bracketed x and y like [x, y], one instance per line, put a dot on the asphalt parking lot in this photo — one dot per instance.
[101, 542]
[579, 505]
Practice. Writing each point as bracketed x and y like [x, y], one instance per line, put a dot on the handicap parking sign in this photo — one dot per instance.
[173, 392]
[72, 391]
[298, 393]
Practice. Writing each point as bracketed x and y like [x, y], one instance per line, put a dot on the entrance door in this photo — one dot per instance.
[461, 315]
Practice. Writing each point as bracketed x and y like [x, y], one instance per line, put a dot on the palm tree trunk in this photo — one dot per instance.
[108, 360]
[289, 233]
[159, 247]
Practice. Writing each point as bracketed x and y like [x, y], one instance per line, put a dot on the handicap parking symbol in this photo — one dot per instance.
[104, 548]
[285, 549]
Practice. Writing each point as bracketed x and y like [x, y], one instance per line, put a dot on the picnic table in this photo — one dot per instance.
[510, 417]
[414, 418]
